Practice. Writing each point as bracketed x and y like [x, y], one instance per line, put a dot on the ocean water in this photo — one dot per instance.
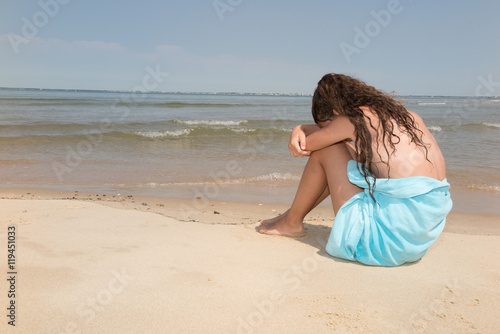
[155, 142]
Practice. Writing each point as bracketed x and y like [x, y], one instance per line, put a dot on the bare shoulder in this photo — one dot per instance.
[428, 138]
[417, 118]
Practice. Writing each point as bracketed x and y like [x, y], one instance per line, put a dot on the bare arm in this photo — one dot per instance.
[338, 130]
[309, 128]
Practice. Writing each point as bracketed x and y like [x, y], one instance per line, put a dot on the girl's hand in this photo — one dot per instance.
[297, 143]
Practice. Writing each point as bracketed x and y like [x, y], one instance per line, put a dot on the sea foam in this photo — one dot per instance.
[211, 122]
[161, 134]
[435, 128]
[493, 125]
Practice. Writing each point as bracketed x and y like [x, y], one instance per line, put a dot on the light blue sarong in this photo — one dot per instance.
[409, 216]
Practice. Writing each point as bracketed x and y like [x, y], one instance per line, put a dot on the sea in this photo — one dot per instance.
[212, 146]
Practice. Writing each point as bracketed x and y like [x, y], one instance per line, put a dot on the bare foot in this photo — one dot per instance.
[275, 219]
[283, 226]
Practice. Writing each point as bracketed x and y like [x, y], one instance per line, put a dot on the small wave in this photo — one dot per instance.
[472, 127]
[161, 134]
[430, 103]
[211, 122]
[210, 132]
[243, 130]
[124, 134]
[435, 128]
[267, 179]
[282, 130]
[275, 177]
[493, 125]
[484, 187]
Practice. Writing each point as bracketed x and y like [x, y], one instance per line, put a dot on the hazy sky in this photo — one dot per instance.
[426, 47]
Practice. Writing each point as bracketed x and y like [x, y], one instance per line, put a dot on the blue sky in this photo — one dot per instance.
[414, 47]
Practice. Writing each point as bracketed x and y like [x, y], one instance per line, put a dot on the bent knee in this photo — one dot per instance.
[338, 148]
[339, 152]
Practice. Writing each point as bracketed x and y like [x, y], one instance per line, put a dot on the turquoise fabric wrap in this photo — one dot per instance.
[408, 218]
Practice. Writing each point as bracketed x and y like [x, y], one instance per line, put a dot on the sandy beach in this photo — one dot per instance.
[89, 263]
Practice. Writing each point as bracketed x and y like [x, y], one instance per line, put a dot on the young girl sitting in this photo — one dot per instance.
[382, 168]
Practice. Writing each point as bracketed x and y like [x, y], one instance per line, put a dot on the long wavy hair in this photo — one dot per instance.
[339, 94]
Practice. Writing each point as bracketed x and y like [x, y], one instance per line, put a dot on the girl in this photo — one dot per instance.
[382, 168]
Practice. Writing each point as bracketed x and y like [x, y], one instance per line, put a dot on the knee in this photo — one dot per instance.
[316, 155]
[319, 155]
[338, 150]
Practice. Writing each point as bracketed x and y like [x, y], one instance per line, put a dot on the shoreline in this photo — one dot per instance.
[464, 201]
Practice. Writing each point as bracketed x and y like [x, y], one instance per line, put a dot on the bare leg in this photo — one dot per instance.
[325, 173]
[312, 190]
[321, 198]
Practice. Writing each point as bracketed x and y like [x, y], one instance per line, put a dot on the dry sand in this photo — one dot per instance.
[143, 265]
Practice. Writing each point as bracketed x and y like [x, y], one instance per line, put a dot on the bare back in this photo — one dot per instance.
[407, 159]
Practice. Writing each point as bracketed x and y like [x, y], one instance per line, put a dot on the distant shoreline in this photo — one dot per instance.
[225, 93]
[154, 92]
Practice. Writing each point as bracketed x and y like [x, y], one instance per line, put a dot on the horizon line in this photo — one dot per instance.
[218, 93]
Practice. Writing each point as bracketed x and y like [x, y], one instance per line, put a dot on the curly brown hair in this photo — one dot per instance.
[339, 94]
